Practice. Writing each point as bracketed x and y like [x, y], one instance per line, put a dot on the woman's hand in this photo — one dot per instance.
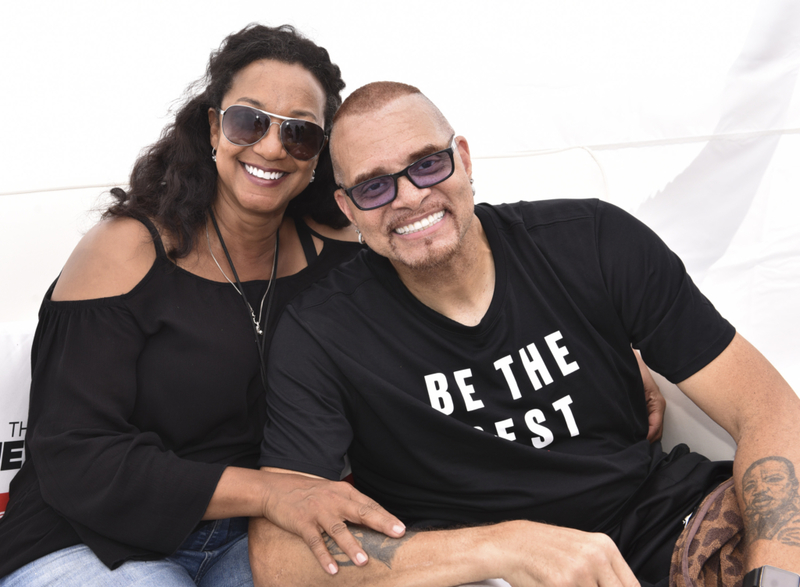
[308, 506]
[303, 505]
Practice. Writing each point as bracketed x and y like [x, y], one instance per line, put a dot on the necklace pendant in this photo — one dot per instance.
[255, 322]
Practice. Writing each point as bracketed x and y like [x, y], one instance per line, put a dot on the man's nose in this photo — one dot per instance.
[409, 195]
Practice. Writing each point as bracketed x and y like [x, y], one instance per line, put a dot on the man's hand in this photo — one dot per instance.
[656, 404]
[308, 506]
[539, 555]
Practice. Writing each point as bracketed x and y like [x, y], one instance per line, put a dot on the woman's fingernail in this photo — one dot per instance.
[361, 558]
[332, 569]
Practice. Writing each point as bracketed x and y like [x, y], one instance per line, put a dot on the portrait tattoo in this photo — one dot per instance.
[772, 502]
[376, 545]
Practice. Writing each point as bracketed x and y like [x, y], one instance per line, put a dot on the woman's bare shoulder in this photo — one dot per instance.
[108, 261]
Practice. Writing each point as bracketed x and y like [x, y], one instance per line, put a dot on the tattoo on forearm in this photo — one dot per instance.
[376, 545]
[772, 501]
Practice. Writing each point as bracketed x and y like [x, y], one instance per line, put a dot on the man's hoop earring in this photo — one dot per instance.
[213, 154]
[313, 174]
[471, 181]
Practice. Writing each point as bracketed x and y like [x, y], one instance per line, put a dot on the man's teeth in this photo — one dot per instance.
[421, 224]
[263, 174]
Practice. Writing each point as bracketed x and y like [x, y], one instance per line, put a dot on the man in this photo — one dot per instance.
[475, 365]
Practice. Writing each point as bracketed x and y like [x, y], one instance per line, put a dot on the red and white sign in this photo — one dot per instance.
[15, 381]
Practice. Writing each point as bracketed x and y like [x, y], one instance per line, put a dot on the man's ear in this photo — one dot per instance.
[344, 204]
[213, 122]
[463, 151]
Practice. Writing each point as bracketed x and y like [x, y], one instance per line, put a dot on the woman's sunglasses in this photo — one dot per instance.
[423, 173]
[245, 126]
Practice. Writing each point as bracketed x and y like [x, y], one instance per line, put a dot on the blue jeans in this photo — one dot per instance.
[215, 555]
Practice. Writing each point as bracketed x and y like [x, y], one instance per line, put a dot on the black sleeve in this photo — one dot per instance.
[118, 486]
[666, 316]
[307, 427]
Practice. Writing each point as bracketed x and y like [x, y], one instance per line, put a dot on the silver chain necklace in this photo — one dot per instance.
[256, 321]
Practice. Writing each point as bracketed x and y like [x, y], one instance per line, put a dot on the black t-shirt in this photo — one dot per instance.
[537, 412]
[138, 403]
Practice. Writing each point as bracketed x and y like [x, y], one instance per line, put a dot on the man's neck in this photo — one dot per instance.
[461, 288]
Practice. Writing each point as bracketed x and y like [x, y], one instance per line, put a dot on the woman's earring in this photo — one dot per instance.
[313, 174]
[360, 236]
[214, 154]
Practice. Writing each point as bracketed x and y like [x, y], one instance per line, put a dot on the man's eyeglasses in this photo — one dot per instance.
[245, 126]
[424, 173]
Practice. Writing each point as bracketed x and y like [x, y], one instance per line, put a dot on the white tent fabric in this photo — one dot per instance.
[685, 113]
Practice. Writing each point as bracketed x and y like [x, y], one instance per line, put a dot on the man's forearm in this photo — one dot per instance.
[522, 553]
[765, 471]
[749, 398]
[432, 559]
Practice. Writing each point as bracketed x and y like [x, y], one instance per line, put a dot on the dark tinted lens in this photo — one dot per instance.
[243, 125]
[374, 193]
[302, 140]
[431, 170]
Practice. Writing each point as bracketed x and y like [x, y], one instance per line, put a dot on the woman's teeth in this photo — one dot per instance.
[260, 173]
[421, 224]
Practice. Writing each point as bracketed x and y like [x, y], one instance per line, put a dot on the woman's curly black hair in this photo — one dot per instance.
[174, 180]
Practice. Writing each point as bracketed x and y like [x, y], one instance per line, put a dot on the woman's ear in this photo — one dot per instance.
[213, 122]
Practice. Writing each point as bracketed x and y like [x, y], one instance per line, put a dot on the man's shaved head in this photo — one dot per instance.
[373, 97]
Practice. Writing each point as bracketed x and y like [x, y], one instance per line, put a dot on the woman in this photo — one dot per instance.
[147, 400]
